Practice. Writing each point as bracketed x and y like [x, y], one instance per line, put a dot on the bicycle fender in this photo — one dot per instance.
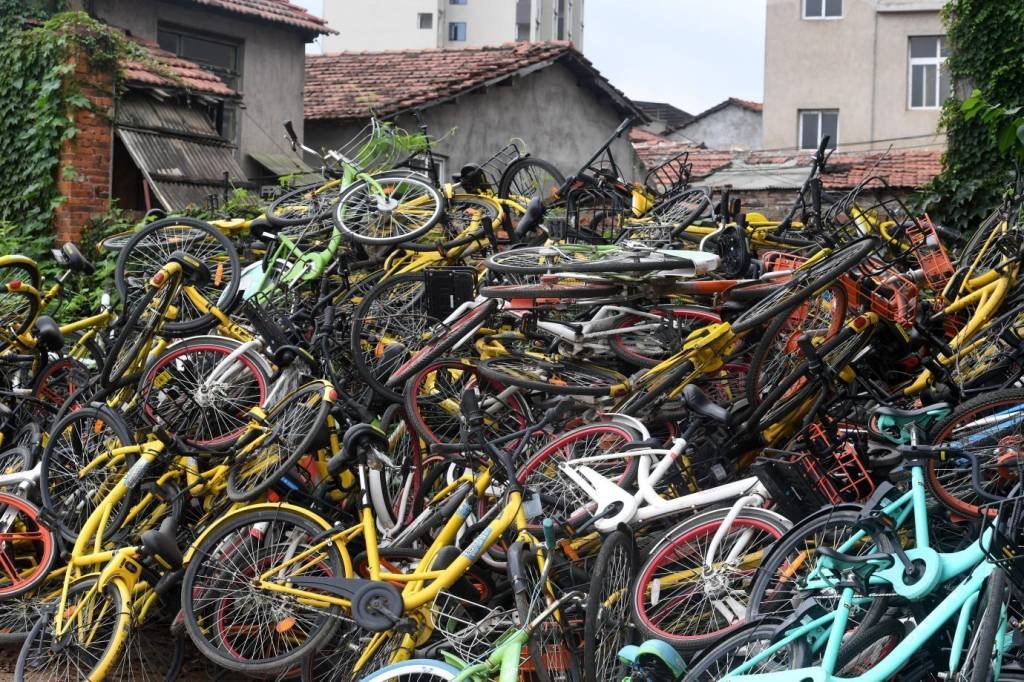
[311, 516]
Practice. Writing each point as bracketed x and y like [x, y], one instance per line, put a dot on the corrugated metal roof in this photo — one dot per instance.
[743, 176]
[141, 111]
[181, 171]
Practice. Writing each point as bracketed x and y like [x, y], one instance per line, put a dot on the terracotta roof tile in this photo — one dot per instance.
[190, 75]
[747, 104]
[275, 11]
[731, 101]
[654, 150]
[354, 84]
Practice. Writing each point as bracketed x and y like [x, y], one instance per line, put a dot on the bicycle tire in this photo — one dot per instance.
[716, 661]
[558, 377]
[785, 328]
[536, 186]
[303, 205]
[19, 309]
[606, 628]
[414, 670]
[804, 284]
[201, 240]
[390, 486]
[362, 193]
[668, 339]
[172, 390]
[304, 411]
[36, 540]
[983, 644]
[19, 615]
[86, 656]
[441, 343]
[135, 335]
[863, 642]
[544, 291]
[542, 260]
[229, 553]
[62, 490]
[524, 574]
[58, 380]
[951, 481]
[684, 542]
[828, 527]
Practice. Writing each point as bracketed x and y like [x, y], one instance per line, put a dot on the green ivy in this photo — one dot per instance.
[986, 38]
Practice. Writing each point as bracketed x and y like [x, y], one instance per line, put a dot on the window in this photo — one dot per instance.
[823, 9]
[426, 20]
[523, 20]
[929, 78]
[218, 54]
[561, 20]
[457, 2]
[816, 124]
[457, 31]
[523, 32]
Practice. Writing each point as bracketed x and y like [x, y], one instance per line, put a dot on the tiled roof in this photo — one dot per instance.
[354, 84]
[275, 11]
[901, 168]
[187, 74]
[756, 107]
[663, 111]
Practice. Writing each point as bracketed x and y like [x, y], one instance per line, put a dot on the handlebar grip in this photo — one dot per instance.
[822, 146]
[290, 130]
[471, 404]
[549, 534]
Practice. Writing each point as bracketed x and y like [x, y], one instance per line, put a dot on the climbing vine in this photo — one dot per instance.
[986, 38]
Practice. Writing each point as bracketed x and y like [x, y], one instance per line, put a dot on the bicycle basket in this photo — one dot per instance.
[893, 296]
[469, 629]
[777, 261]
[670, 176]
[930, 253]
[1005, 520]
[870, 208]
[595, 215]
[379, 146]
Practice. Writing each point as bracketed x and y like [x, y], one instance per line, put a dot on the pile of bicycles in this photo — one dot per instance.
[520, 426]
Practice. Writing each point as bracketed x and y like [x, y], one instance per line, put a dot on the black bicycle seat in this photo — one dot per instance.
[897, 413]
[699, 403]
[48, 335]
[74, 260]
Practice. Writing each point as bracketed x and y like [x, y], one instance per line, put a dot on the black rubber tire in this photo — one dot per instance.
[601, 643]
[717, 660]
[983, 643]
[580, 258]
[327, 199]
[223, 569]
[53, 463]
[516, 167]
[839, 520]
[863, 638]
[961, 498]
[302, 443]
[805, 285]
[531, 374]
[228, 295]
[352, 191]
[768, 348]
[556, 291]
[679, 322]
[523, 573]
[134, 336]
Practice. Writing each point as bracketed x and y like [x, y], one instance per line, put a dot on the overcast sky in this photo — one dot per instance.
[690, 53]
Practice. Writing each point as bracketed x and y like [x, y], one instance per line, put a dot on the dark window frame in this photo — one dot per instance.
[453, 32]
[834, 139]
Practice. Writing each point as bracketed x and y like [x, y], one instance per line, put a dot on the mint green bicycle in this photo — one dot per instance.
[817, 644]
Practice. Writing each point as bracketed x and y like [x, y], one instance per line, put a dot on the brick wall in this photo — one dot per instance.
[83, 176]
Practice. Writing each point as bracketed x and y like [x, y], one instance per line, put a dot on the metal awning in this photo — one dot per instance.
[182, 170]
[281, 165]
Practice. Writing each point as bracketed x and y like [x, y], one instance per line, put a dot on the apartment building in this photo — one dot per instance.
[420, 24]
[868, 73]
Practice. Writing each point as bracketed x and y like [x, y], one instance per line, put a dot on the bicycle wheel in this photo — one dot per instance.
[778, 352]
[151, 652]
[678, 598]
[560, 494]
[740, 646]
[557, 291]
[639, 345]
[555, 377]
[27, 547]
[442, 339]
[304, 205]
[804, 284]
[150, 249]
[292, 428]
[248, 629]
[551, 646]
[540, 260]
[134, 342]
[81, 442]
[867, 646]
[175, 390]
[779, 585]
[55, 382]
[18, 310]
[80, 653]
[606, 627]
[431, 400]
[19, 615]
[989, 428]
[414, 670]
[984, 650]
[390, 322]
[394, 489]
[528, 178]
[390, 208]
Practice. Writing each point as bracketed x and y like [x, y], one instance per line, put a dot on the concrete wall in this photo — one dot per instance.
[731, 127]
[393, 24]
[559, 120]
[857, 64]
[273, 65]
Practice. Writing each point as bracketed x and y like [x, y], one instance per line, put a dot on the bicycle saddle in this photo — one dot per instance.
[262, 230]
[163, 546]
[699, 403]
[897, 413]
[48, 335]
[72, 259]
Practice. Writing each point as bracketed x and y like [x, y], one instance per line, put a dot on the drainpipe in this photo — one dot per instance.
[874, 81]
